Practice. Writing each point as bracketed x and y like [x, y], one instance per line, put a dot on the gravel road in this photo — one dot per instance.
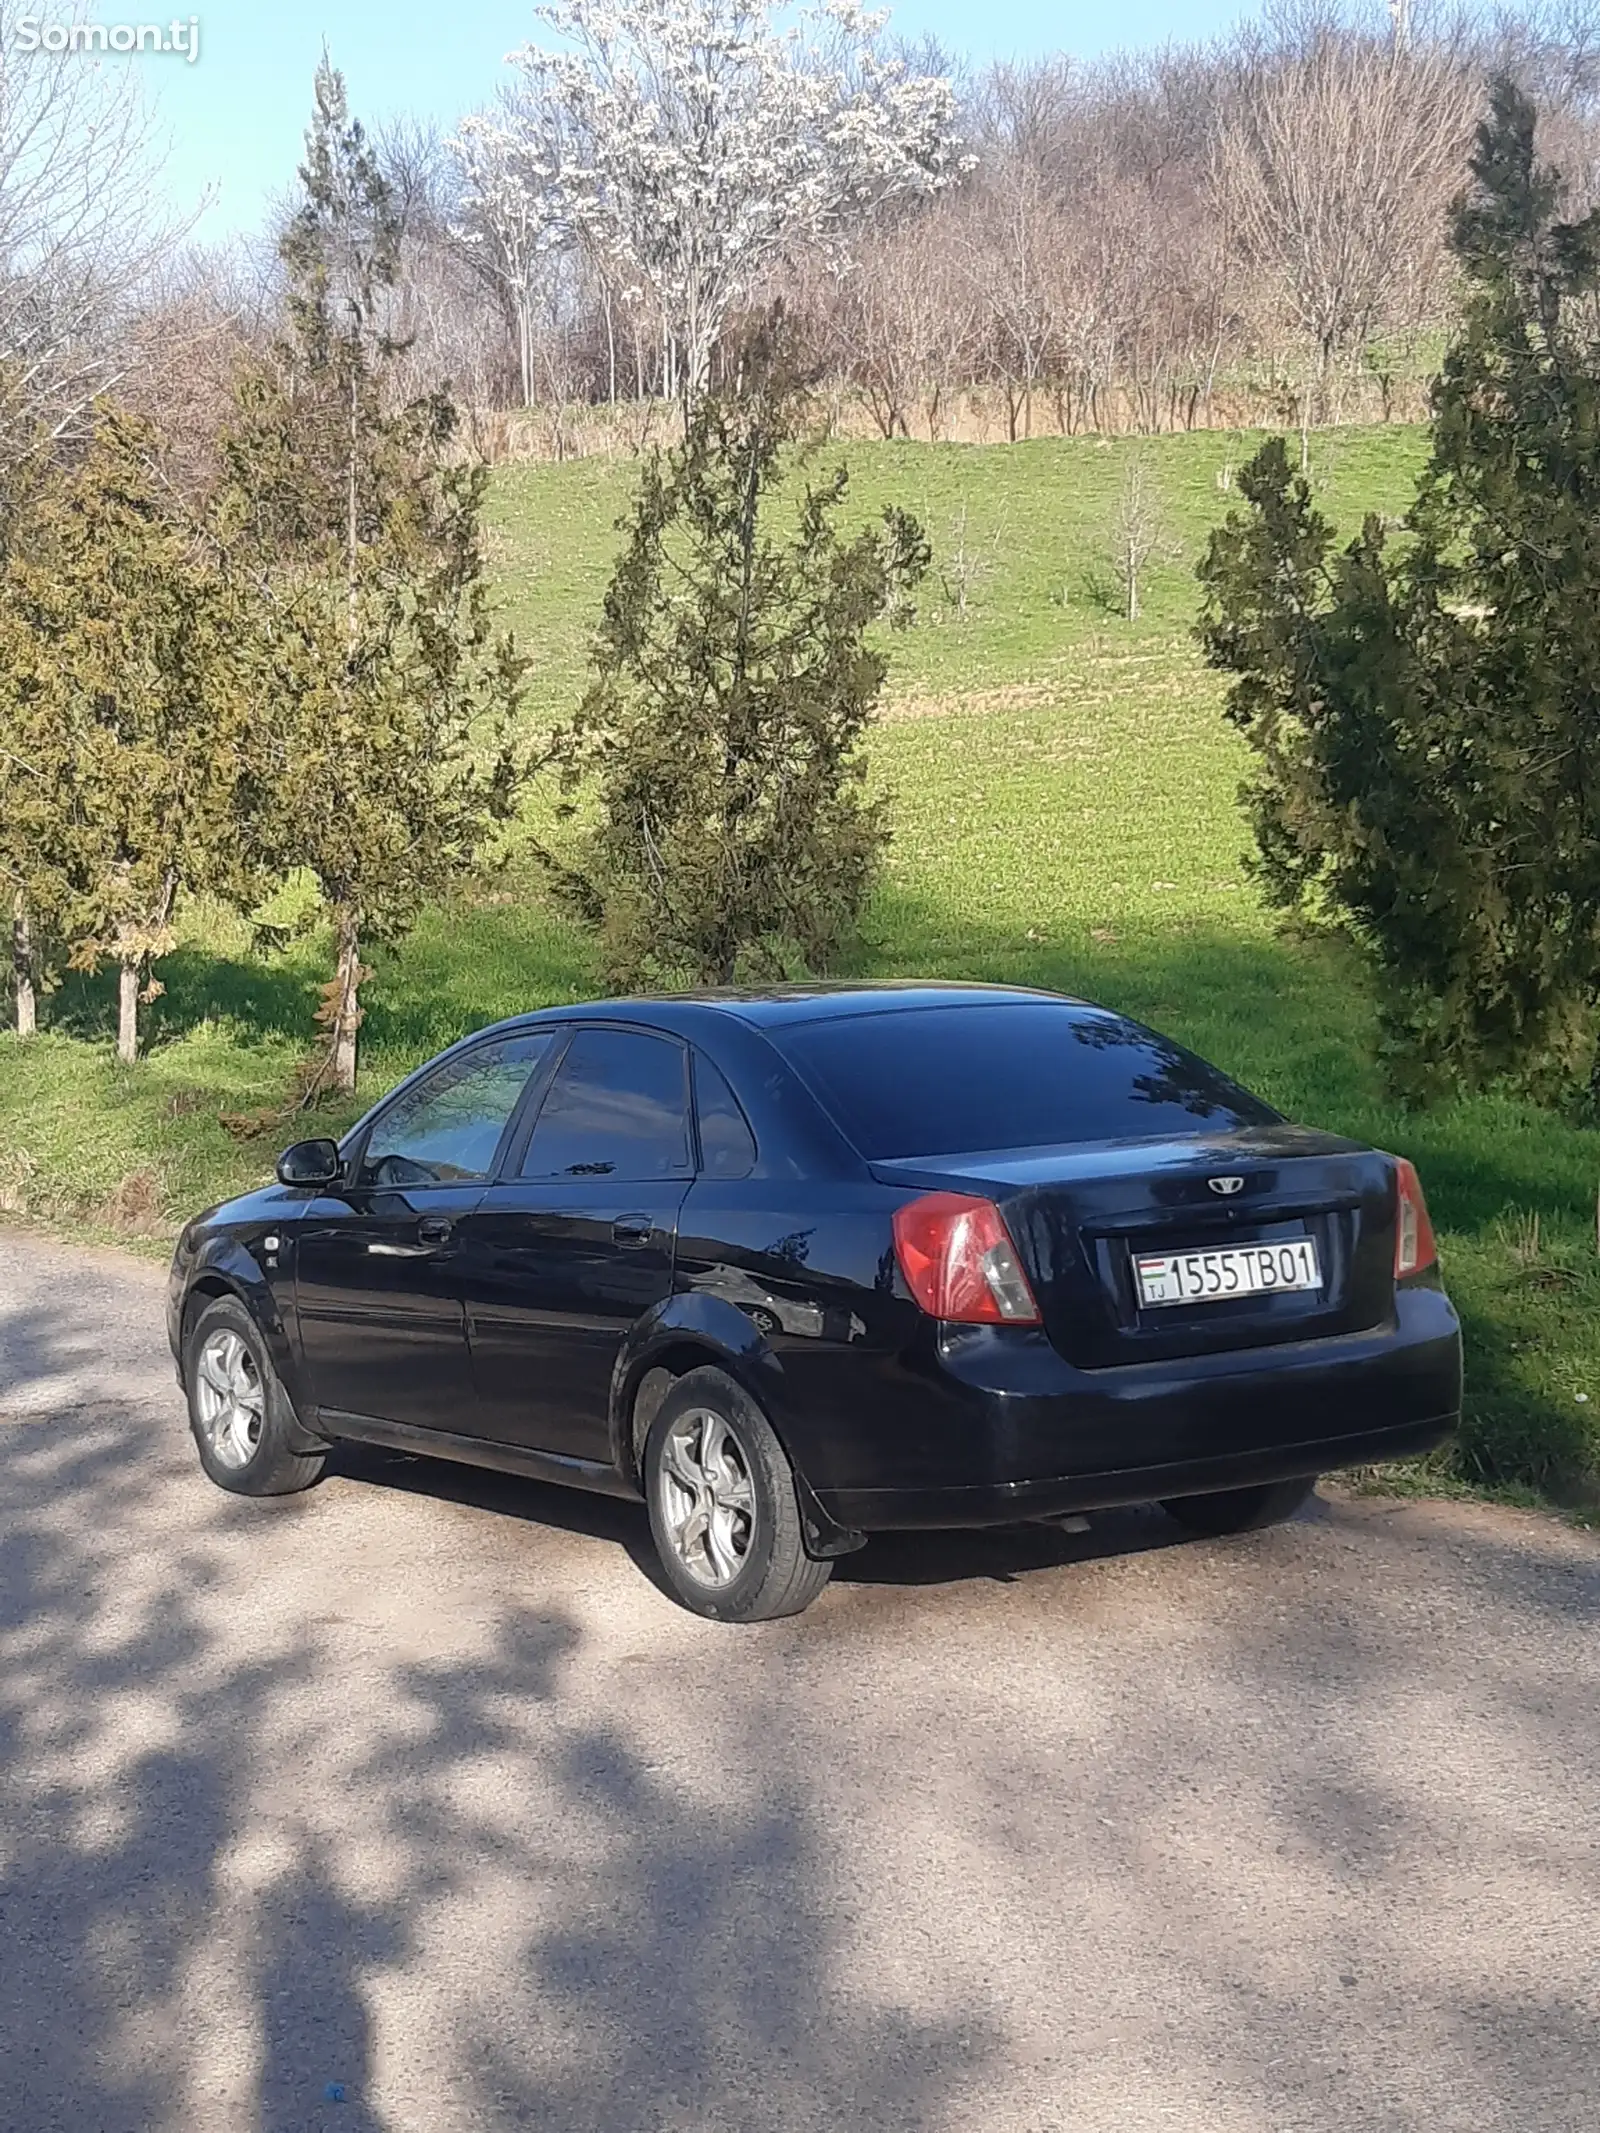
[412, 1806]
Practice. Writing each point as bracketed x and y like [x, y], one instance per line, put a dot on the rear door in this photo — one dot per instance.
[382, 1324]
[575, 1242]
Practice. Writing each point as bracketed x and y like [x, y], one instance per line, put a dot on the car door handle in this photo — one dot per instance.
[632, 1229]
[430, 1235]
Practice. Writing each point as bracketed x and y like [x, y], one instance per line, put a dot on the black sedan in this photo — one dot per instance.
[804, 1264]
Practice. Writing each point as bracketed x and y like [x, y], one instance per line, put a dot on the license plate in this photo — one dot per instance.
[1230, 1270]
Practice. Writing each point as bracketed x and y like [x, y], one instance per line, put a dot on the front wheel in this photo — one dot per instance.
[1241, 1510]
[722, 1505]
[242, 1420]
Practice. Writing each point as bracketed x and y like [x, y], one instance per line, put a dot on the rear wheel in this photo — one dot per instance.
[244, 1426]
[722, 1505]
[1241, 1510]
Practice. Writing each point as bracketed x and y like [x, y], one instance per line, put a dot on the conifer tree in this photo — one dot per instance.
[386, 694]
[24, 811]
[1424, 711]
[734, 679]
[125, 743]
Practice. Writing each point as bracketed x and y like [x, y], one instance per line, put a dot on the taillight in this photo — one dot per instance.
[1414, 1248]
[960, 1263]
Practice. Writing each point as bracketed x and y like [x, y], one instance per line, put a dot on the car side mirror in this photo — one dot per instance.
[311, 1163]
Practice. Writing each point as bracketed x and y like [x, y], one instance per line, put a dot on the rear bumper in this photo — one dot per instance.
[1005, 1502]
[1008, 1430]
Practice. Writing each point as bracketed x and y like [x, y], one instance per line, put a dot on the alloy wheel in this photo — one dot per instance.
[230, 1397]
[707, 1498]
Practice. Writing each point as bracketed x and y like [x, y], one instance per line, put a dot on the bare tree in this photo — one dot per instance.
[196, 316]
[80, 230]
[1138, 529]
[1334, 169]
[1026, 112]
[446, 313]
[1017, 242]
[900, 321]
[1105, 275]
[966, 564]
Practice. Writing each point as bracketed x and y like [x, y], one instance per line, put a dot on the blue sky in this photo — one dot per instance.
[235, 117]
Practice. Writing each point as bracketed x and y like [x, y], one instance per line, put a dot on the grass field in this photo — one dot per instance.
[1064, 794]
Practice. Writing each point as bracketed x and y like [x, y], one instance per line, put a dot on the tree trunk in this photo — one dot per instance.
[523, 304]
[351, 477]
[22, 968]
[128, 1012]
[346, 1003]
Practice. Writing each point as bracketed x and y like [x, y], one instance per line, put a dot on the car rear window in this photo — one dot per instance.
[958, 1080]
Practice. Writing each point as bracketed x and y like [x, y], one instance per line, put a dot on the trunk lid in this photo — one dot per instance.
[1080, 1214]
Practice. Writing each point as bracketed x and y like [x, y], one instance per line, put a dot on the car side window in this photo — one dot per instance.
[445, 1130]
[727, 1146]
[617, 1108]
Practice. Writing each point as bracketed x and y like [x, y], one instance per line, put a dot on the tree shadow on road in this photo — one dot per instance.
[1003, 1553]
[297, 1834]
[259, 1871]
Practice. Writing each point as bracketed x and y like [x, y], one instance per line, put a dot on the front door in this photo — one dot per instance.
[382, 1323]
[575, 1243]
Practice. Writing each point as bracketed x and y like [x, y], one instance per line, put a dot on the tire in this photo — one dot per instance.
[722, 1505]
[1241, 1510]
[244, 1425]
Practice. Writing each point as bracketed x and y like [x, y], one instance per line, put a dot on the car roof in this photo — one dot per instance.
[777, 1006]
[694, 1017]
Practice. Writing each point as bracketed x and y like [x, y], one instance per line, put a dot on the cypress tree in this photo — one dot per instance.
[733, 681]
[1425, 711]
[386, 696]
[126, 737]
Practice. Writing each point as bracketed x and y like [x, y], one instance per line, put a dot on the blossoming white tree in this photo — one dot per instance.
[515, 216]
[691, 143]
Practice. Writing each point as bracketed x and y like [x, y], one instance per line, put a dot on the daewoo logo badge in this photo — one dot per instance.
[1226, 1186]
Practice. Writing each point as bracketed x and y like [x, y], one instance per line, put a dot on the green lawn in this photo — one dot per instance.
[1064, 800]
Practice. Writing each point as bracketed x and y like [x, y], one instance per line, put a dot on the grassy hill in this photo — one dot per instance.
[1064, 791]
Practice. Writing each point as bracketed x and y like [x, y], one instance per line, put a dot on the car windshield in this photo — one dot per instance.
[1017, 1074]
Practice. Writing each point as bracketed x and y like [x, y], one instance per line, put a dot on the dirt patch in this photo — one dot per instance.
[134, 1208]
[972, 703]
